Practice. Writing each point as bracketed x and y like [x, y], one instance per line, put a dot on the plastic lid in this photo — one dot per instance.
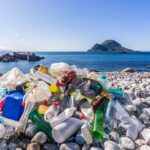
[56, 103]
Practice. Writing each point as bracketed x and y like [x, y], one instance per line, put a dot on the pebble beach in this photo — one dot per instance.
[124, 135]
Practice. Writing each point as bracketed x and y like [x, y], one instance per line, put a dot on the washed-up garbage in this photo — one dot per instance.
[63, 105]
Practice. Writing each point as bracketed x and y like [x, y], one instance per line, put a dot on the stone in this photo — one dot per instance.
[109, 145]
[50, 146]
[127, 143]
[140, 142]
[95, 148]
[3, 145]
[114, 136]
[31, 131]
[69, 146]
[86, 147]
[2, 131]
[128, 70]
[147, 110]
[145, 134]
[23, 143]
[33, 146]
[12, 146]
[132, 132]
[40, 138]
[144, 117]
[10, 131]
[145, 147]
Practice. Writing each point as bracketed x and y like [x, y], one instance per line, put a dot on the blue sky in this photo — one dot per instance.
[73, 24]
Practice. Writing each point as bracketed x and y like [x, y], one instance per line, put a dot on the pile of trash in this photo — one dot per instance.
[66, 107]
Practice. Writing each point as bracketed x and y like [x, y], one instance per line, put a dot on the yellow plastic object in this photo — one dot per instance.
[42, 109]
[54, 89]
[42, 69]
[82, 97]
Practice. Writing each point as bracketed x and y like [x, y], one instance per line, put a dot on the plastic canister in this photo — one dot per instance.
[13, 108]
[66, 129]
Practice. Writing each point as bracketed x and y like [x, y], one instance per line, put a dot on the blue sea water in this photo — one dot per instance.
[101, 61]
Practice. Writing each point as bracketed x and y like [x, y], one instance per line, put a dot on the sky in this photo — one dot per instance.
[73, 25]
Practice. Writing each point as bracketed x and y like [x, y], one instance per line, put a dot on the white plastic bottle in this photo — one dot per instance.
[67, 113]
[45, 78]
[52, 111]
[86, 131]
[87, 109]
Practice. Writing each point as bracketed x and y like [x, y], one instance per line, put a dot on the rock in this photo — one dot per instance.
[109, 145]
[86, 147]
[10, 131]
[12, 146]
[145, 134]
[145, 147]
[128, 70]
[2, 131]
[40, 138]
[147, 110]
[127, 143]
[33, 146]
[144, 117]
[114, 136]
[31, 131]
[69, 146]
[95, 148]
[140, 142]
[3, 145]
[49, 146]
[79, 139]
[23, 143]
[132, 132]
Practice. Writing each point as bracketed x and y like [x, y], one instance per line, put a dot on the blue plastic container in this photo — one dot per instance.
[13, 108]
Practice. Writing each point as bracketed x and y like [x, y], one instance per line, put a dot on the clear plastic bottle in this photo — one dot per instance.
[87, 109]
[66, 114]
[52, 111]
[103, 81]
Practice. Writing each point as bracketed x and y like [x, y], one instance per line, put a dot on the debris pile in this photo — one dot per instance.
[66, 108]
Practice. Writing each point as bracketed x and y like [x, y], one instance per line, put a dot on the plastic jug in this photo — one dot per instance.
[41, 124]
[13, 108]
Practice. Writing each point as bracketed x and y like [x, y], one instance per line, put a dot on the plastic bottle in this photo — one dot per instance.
[87, 109]
[67, 113]
[52, 111]
[41, 124]
[63, 131]
[103, 81]
[46, 78]
[86, 131]
[98, 129]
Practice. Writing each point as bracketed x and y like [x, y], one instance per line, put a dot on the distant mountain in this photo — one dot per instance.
[109, 46]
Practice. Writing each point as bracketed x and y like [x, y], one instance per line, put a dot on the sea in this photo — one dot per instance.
[99, 61]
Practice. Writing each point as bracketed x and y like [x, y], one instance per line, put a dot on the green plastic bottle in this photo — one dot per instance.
[98, 129]
[41, 124]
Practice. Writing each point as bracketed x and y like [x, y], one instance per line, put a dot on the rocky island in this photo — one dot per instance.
[109, 46]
